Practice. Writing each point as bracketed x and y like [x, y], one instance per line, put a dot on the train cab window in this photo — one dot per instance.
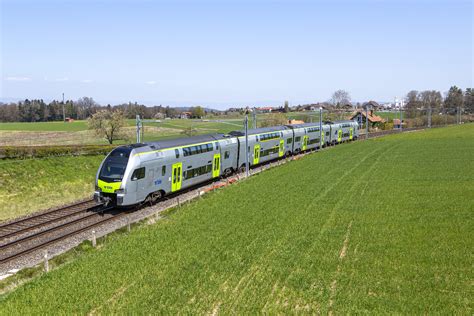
[289, 140]
[163, 170]
[297, 139]
[138, 174]
[177, 153]
[256, 138]
[226, 155]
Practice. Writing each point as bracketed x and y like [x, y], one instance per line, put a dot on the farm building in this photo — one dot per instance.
[360, 117]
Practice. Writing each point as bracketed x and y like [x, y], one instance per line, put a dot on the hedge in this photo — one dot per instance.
[9, 152]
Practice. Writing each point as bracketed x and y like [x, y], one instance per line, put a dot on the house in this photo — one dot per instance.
[397, 125]
[159, 116]
[347, 106]
[185, 115]
[265, 109]
[69, 120]
[372, 105]
[360, 117]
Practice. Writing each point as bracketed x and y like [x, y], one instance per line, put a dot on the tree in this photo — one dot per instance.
[469, 100]
[197, 112]
[85, 107]
[412, 101]
[340, 98]
[108, 125]
[431, 99]
[274, 119]
[454, 99]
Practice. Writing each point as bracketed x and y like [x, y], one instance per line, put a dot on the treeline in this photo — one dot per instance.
[454, 101]
[39, 111]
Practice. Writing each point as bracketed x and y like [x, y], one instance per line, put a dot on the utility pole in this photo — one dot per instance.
[429, 117]
[138, 128]
[401, 116]
[246, 123]
[254, 115]
[64, 113]
[367, 122]
[320, 127]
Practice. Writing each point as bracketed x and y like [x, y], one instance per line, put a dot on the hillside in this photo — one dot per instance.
[378, 226]
[32, 184]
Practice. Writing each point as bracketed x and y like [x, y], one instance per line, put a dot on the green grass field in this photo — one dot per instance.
[381, 226]
[33, 184]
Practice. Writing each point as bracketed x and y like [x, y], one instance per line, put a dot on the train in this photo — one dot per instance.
[146, 172]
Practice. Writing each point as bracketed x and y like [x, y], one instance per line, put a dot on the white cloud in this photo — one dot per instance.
[86, 81]
[61, 79]
[18, 79]
[152, 82]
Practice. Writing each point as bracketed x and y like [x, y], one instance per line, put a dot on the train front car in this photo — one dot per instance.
[111, 176]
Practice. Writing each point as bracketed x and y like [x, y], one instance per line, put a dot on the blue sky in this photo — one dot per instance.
[222, 53]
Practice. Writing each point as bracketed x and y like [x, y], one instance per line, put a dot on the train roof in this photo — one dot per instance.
[261, 130]
[315, 124]
[170, 143]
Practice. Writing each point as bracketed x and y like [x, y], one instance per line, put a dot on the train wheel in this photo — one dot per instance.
[228, 172]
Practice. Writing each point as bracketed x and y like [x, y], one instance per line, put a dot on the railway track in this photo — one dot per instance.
[29, 234]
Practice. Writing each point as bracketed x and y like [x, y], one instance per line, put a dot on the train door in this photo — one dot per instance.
[216, 165]
[176, 176]
[256, 154]
[305, 143]
[322, 138]
[281, 150]
[339, 135]
[351, 133]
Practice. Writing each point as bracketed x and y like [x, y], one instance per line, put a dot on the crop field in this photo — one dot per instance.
[76, 133]
[381, 226]
[33, 184]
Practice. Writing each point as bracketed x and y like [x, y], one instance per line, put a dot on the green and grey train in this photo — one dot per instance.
[136, 173]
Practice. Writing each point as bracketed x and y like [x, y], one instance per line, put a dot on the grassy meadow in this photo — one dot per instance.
[32, 184]
[387, 229]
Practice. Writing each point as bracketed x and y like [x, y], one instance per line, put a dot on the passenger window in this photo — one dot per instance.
[138, 174]
[163, 170]
[177, 153]
[217, 146]
[289, 141]
[297, 139]
[226, 154]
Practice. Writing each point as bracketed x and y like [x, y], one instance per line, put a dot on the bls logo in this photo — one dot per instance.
[107, 187]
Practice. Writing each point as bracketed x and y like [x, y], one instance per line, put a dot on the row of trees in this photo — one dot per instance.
[39, 111]
[454, 101]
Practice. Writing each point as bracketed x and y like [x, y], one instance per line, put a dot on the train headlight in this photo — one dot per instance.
[97, 188]
[120, 191]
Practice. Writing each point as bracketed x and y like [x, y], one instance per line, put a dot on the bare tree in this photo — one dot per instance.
[108, 124]
[340, 98]
[431, 99]
[86, 107]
